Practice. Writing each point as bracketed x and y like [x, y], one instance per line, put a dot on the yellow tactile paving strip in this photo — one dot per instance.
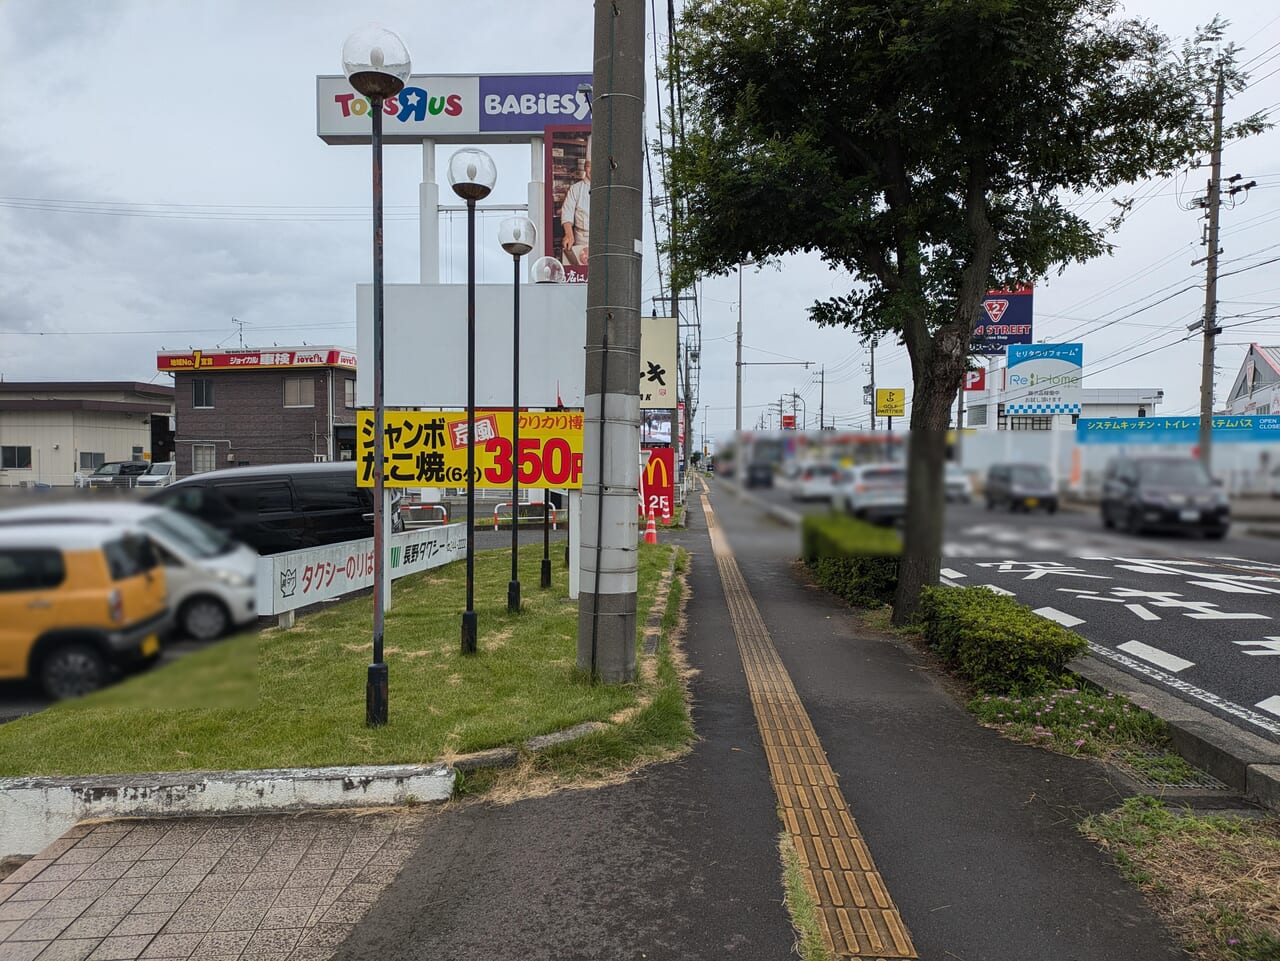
[858, 917]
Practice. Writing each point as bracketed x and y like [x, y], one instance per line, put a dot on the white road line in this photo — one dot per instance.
[1061, 617]
[1271, 704]
[1153, 655]
[998, 589]
[948, 572]
[947, 583]
[1143, 613]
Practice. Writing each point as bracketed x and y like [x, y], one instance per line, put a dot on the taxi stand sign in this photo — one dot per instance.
[429, 449]
[891, 402]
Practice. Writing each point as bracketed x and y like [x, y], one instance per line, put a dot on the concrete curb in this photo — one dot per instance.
[1246, 762]
[36, 811]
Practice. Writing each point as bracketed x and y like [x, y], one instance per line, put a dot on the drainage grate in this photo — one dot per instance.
[1164, 771]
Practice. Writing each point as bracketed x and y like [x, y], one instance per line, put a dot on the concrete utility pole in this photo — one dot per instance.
[873, 386]
[822, 397]
[1211, 283]
[611, 436]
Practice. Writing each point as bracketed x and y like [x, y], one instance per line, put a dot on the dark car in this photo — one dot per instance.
[760, 474]
[1163, 493]
[117, 473]
[1020, 487]
[285, 507]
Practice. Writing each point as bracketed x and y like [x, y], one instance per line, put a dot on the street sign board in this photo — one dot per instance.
[1044, 379]
[1256, 429]
[891, 402]
[788, 421]
[429, 449]
[657, 482]
[1006, 319]
[975, 380]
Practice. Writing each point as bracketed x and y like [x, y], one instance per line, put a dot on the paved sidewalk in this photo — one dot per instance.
[267, 887]
[973, 835]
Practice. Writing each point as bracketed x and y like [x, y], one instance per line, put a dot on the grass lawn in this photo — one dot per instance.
[297, 697]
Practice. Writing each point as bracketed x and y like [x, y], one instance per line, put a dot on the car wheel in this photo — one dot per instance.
[204, 618]
[991, 504]
[1051, 507]
[1216, 533]
[1132, 522]
[1107, 520]
[71, 670]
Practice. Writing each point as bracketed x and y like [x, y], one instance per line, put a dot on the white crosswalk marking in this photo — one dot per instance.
[998, 589]
[1143, 613]
[953, 574]
[1061, 617]
[1267, 648]
[1153, 655]
[1271, 704]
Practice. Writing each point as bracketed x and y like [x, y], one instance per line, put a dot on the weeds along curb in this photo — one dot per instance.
[35, 811]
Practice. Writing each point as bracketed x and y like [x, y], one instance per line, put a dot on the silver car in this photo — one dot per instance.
[874, 492]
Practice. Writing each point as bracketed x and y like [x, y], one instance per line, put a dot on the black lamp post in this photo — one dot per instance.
[517, 236]
[377, 65]
[546, 270]
[472, 176]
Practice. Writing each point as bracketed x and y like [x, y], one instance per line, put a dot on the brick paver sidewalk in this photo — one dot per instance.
[262, 887]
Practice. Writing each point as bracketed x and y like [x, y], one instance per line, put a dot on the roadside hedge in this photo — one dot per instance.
[852, 559]
[997, 644]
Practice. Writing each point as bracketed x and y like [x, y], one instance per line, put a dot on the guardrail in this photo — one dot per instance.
[538, 518]
[410, 513]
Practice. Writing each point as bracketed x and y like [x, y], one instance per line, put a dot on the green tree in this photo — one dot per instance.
[929, 148]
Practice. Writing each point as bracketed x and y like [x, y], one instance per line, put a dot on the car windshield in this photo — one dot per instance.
[1031, 475]
[885, 475]
[159, 468]
[1173, 473]
[195, 535]
[108, 469]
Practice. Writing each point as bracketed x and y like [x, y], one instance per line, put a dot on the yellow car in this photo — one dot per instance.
[78, 601]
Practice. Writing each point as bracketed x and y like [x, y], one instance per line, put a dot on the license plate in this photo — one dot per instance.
[1189, 515]
[150, 645]
[1033, 502]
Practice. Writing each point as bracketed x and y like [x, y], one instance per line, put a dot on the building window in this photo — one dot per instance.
[976, 416]
[15, 458]
[92, 460]
[300, 391]
[1031, 423]
[349, 393]
[202, 392]
[203, 458]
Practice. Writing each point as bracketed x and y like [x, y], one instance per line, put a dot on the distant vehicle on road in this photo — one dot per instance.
[1020, 487]
[116, 473]
[815, 482]
[1163, 493]
[959, 487]
[873, 492]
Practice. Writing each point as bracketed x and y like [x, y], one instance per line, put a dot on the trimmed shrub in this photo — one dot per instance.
[997, 644]
[856, 561]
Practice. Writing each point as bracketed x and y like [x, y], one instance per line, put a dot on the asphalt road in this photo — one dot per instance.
[1200, 618]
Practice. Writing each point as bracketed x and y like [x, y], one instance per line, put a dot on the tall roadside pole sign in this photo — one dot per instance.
[891, 402]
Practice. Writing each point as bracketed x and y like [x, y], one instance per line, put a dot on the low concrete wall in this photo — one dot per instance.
[34, 812]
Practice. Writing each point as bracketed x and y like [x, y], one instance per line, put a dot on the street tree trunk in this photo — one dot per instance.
[944, 366]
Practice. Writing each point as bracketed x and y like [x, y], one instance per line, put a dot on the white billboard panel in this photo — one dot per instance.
[425, 345]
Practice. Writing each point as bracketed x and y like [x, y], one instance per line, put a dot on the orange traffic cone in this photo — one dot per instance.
[651, 531]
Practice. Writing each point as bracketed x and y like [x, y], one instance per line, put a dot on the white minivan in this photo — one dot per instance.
[209, 575]
[160, 474]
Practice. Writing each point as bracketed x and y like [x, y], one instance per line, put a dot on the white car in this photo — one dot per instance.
[874, 492]
[815, 482]
[157, 475]
[958, 484]
[210, 576]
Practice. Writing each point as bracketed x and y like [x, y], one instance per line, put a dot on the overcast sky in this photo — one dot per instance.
[163, 176]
